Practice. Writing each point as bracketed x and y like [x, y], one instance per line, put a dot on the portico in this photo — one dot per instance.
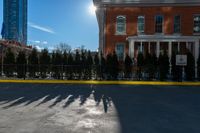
[156, 44]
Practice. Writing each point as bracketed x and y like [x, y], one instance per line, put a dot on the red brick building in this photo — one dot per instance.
[154, 26]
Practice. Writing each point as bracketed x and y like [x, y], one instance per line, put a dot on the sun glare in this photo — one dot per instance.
[92, 9]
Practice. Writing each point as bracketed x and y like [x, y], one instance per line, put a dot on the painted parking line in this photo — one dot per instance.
[103, 82]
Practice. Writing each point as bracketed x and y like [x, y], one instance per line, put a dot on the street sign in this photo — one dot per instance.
[181, 60]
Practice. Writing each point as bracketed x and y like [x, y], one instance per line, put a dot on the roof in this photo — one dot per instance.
[147, 2]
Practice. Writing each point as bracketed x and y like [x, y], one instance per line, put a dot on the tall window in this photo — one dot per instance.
[121, 25]
[141, 24]
[120, 51]
[196, 24]
[177, 24]
[159, 24]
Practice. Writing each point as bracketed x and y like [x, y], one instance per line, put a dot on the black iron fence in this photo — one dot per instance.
[84, 72]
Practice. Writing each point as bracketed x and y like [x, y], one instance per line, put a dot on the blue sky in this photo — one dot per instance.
[51, 22]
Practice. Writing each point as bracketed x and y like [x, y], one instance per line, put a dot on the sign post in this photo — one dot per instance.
[181, 60]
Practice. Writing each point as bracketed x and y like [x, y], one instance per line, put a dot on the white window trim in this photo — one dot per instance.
[143, 32]
[162, 25]
[120, 43]
[180, 25]
[120, 33]
[193, 24]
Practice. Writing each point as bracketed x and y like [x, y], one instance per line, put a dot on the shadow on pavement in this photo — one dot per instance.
[141, 109]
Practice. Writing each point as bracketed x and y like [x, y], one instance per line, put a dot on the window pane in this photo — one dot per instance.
[121, 24]
[159, 24]
[141, 24]
[177, 24]
[120, 51]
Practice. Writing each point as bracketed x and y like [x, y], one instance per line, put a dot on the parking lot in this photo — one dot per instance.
[56, 108]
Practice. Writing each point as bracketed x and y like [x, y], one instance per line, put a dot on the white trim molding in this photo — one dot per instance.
[146, 38]
[147, 2]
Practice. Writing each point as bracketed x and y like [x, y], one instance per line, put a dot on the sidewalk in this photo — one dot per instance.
[120, 82]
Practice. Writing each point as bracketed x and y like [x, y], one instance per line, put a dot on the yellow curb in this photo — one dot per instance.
[95, 82]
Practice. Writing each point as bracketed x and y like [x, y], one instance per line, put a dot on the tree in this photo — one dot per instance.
[21, 64]
[103, 63]
[128, 66]
[83, 66]
[65, 63]
[155, 64]
[33, 63]
[89, 65]
[77, 65]
[109, 66]
[53, 67]
[163, 66]
[140, 65]
[148, 65]
[9, 61]
[45, 61]
[190, 68]
[175, 69]
[70, 67]
[57, 64]
[64, 47]
[96, 59]
[115, 66]
[97, 66]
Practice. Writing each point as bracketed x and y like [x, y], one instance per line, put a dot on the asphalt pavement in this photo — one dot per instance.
[65, 108]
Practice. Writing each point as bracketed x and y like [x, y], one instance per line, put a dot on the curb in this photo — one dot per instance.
[94, 82]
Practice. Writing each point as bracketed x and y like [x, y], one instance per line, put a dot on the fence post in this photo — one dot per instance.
[24, 71]
[2, 60]
[62, 71]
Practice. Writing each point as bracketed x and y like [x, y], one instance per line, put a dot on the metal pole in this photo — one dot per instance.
[183, 74]
[24, 71]
[1, 60]
[62, 72]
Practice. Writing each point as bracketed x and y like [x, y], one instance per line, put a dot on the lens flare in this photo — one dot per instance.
[92, 9]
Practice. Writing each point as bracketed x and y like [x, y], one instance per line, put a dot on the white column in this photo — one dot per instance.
[187, 45]
[196, 47]
[178, 47]
[170, 55]
[131, 48]
[140, 46]
[157, 48]
[170, 49]
[149, 47]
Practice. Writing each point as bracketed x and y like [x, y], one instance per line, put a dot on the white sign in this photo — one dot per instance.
[181, 60]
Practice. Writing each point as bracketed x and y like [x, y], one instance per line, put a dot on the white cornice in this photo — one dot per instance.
[162, 37]
[147, 2]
